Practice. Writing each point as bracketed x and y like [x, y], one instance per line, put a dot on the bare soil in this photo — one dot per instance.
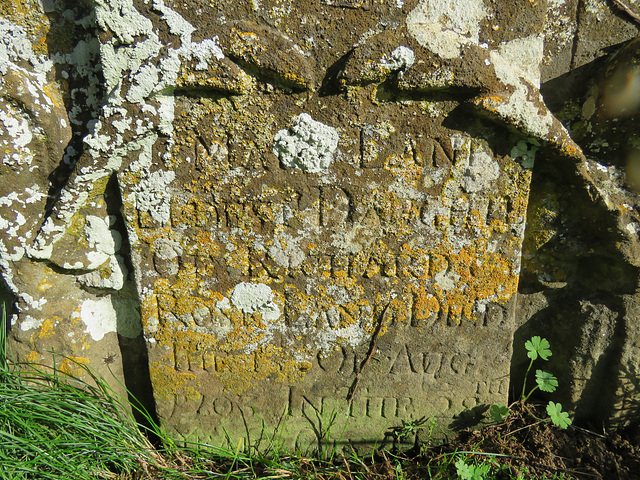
[537, 449]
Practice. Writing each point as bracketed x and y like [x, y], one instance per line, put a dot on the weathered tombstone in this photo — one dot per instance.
[325, 224]
[81, 309]
[579, 285]
[325, 253]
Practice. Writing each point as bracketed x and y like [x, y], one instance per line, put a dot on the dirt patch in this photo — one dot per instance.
[537, 449]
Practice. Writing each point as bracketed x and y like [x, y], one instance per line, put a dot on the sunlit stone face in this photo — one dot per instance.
[318, 221]
[355, 251]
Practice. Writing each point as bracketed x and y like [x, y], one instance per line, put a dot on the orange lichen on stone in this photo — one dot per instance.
[47, 329]
[33, 357]
[52, 91]
[424, 304]
[73, 366]
[169, 382]
[571, 150]
[491, 103]
[44, 285]
[29, 15]
[240, 371]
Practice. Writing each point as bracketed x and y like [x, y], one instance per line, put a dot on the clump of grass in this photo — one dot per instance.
[56, 427]
[53, 426]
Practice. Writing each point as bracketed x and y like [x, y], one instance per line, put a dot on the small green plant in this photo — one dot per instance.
[558, 417]
[499, 412]
[470, 471]
[486, 469]
[408, 428]
[538, 348]
[545, 381]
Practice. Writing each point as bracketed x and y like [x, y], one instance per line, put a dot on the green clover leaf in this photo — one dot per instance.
[546, 381]
[558, 417]
[472, 472]
[499, 412]
[463, 469]
[537, 347]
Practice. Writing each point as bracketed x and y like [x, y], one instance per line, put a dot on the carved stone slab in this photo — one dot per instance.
[312, 210]
[375, 284]
[325, 234]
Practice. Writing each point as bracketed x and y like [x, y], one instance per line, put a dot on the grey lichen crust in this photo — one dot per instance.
[308, 144]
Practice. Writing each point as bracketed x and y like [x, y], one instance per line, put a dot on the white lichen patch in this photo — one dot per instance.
[447, 280]
[445, 27]
[286, 252]
[255, 297]
[15, 48]
[112, 276]
[250, 298]
[151, 195]
[18, 229]
[308, 145]
[519, 58]
[142, 70]
[478, 172]
[31, 323]
[107, 315]
[204, 52]
[121, 17]
[103, 241]
[16, 126]
[514, 61]
[401, 58]
[30, 302]
[327, 339]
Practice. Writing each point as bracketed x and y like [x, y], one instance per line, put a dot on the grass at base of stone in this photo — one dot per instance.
[55, 427]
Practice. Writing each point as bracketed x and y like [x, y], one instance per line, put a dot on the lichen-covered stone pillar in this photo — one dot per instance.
[323, 207]
[75, 304]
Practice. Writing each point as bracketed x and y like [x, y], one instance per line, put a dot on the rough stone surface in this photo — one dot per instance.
[271, 222]
[78, 306]
[581, 258]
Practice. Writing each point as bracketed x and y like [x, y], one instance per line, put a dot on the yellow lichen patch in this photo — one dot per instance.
[240, 371]
[295, 79]
[72, 366]
[44, 285]
[33, 357]
[76, 228]
[571, 150]
[29, 15]
[424, 304]
[52, 91]
[491, 103]
[479, 275]
[169, 382]
[149, 311]
[238, 258]
[47, 329]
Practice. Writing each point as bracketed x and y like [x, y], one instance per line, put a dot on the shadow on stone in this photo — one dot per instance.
[471, 418]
